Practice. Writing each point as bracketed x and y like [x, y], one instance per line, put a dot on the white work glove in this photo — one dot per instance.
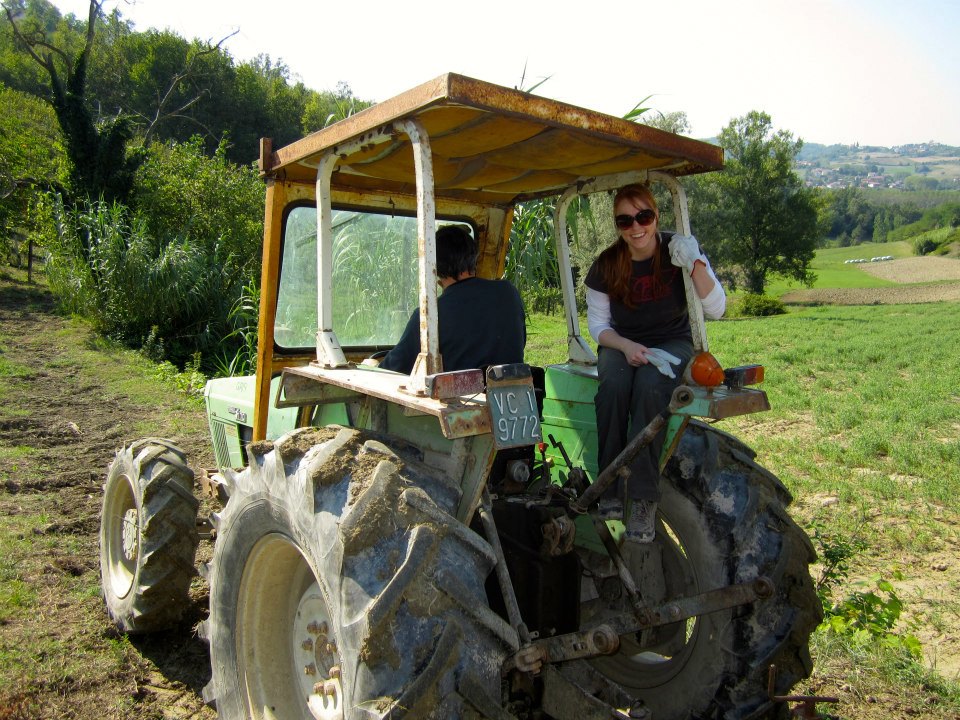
[685, 251]
[662, 360]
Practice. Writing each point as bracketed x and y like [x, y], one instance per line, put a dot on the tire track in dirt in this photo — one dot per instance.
[59, 429]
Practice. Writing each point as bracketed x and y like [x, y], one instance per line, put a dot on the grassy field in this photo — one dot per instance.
[866, 404]
[865, 432]
[833, 273]
[68, 400]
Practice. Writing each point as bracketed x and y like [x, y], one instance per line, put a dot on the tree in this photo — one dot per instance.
[100, 165]
[676, 122]
[32, 162]
[757, 212]
[324, 108]
[918, 182]
[162, 81]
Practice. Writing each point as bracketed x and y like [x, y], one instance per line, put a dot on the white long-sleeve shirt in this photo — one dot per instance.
[598, 306]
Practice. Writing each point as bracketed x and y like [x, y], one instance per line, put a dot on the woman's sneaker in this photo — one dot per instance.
[610, 510]
[641, 521]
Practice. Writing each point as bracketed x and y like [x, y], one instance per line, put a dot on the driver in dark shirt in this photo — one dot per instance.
[481, 322]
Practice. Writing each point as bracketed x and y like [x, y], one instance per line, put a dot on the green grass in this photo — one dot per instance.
[864, 431]
[545, 333]
[865, 403]
[16, 451]
[17, 593]
[9, 369]
[833, 273]
[865, 407]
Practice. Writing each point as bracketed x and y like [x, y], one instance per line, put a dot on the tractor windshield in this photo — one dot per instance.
[374, 278]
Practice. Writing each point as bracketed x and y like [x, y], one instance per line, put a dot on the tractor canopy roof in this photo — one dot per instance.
[490, 145]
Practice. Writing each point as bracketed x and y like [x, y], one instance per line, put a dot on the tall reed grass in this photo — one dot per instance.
[170, 293]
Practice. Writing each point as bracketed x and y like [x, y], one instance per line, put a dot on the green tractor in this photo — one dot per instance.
[427, 545]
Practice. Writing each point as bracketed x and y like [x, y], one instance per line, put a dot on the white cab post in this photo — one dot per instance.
[428, 361]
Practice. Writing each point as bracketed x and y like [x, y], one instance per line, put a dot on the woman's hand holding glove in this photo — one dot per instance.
[662, 360]
[685, 251]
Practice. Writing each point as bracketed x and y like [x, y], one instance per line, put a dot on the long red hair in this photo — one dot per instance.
[615, 263]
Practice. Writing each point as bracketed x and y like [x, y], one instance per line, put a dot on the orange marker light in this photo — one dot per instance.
[706, 371]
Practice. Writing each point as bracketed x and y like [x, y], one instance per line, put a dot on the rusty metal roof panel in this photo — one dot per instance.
[491, 144]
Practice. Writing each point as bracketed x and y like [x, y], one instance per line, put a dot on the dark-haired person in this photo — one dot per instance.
[637, 313]
[480, 322]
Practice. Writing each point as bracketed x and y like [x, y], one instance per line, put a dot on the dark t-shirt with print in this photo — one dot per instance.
[659, 312]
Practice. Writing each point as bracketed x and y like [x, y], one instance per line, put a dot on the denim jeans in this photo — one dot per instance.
[627, 399]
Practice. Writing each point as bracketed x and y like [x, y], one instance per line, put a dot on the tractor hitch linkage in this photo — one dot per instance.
[604, 639]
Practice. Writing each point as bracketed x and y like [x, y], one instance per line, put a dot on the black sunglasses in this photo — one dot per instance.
[644, 217]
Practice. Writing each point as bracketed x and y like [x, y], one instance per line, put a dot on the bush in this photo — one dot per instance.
[32, 161]
[545, 300]
[754, 305]
[531, 262]
[169, 294]
[866, 616]
[923, 245]
[166, 274]
[179, 192]
[931, 241]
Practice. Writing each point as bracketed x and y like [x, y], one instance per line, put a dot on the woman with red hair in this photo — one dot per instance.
[637, 313]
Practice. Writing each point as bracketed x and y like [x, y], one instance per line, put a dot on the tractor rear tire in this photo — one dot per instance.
[148, 536]
[342, 586]
[723, 520]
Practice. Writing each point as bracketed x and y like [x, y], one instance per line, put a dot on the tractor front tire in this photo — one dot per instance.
[342, 586]
[148, 536]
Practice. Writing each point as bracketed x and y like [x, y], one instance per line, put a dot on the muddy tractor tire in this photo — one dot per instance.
[148, 536]
[342, 586]
[722, 520]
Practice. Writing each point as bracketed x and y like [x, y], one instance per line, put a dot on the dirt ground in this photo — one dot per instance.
[915, 269]
[60, 657]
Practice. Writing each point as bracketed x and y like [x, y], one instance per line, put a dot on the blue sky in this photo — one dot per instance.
[877, 72]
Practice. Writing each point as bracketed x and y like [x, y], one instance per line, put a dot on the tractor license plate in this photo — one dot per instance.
[515, 420]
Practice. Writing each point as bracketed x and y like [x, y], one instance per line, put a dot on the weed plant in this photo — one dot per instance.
[531, 262]
[133, 287]
[753, 305]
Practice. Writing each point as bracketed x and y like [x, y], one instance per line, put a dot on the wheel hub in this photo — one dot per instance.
[120, 535]
[315, 656]
[131, 532]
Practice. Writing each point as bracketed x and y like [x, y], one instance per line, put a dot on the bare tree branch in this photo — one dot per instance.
[162, 113]
[29, 43]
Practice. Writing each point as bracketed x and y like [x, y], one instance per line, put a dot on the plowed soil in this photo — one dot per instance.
[919, 280]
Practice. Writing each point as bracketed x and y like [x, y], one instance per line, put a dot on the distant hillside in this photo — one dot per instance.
[917, 166]
[816, 152]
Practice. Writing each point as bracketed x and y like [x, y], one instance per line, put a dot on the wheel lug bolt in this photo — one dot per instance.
[315, 628]
[310, 669]
[307, 644]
